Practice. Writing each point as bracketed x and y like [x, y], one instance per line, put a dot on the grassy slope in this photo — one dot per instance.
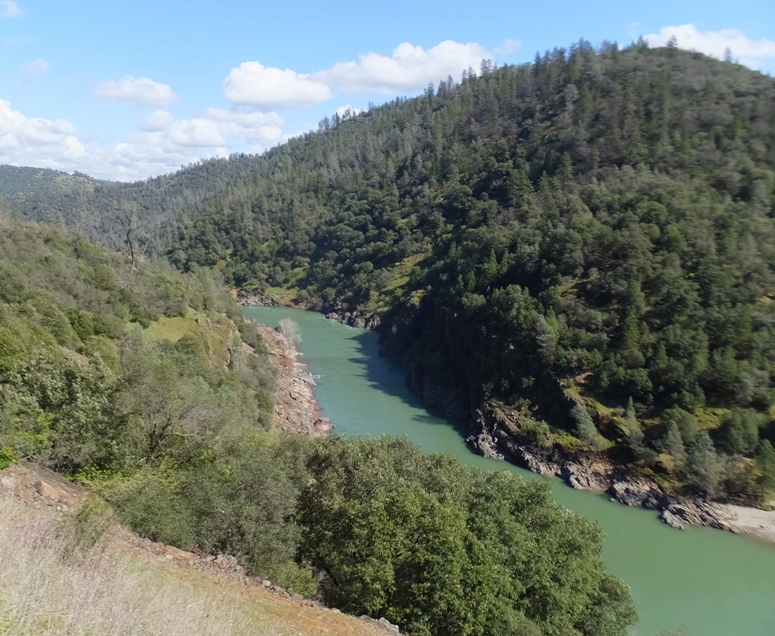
[117, 586]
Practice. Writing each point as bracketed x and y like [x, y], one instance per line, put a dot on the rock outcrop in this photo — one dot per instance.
[354, 319]
[681, 512]
[496, 434]
[38, 486]
[638, 492]
[437, 393]
[248, 299]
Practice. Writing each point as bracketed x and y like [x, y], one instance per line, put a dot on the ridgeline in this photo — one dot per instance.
[584, 242]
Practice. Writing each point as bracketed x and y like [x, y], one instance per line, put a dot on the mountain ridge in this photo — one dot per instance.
[593, 227]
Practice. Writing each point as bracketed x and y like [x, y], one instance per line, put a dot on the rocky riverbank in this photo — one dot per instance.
[493, 436]
[353, 319]
[296, 410]
[247, 299]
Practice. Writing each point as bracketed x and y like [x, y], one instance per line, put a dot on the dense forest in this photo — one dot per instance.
[598, 225]
[146, 385]
[148, 213]
[587, 239]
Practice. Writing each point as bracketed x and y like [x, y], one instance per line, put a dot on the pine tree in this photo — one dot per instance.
[703, 468]
[634, 430]
[585, 427]
[765, 461]
[673, 445]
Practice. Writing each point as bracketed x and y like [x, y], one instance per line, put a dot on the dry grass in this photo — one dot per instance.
[49, 586]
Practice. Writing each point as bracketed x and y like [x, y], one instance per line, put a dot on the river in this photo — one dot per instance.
[705, 582]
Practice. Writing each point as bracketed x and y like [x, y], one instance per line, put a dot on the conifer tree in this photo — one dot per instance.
[703, 467]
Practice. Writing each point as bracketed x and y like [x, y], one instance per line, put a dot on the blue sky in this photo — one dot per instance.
[136, 88]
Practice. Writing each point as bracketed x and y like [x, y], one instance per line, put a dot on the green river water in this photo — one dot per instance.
[706, 582]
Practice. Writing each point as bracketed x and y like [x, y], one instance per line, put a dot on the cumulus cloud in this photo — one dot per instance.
[10, 9]
[165, 143]
[35, 68]
[157, 121]
[269, 88]
[408, 68]
[139, 90]
[751, 53]
[36, 141]
[348, 110]
[216, 128]
[161, 144]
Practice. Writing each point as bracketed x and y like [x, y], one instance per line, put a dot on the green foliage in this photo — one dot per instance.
[596, 214]
[672, 444]
[740, 431]
[535, 432]
[634, 431]
[169, 429]
[8, 457]
[703, 466]
[63, 412]
[765, 460]
[149, 501]
[585, 427]
[685, 422]
[90, 524]
[441, 549]
[240, 501]
[604, 215]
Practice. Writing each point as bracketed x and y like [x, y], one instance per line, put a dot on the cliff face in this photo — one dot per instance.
[440, 359]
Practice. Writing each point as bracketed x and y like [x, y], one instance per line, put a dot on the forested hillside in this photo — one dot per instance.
[146, 385]
[592, 229]
[146, 212]
[588, 239]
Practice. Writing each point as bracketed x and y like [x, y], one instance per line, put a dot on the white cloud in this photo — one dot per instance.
[36, 141]
[161, 144]
[157, 121]
[348, 110]
[35, 68]
[10, 9]
[409, 68]
[140, 90]
[751, 53]
[215, 128]
[270, 88]
[165, 143]
[508, 47]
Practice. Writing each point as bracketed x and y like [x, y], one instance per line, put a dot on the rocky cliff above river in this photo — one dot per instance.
[495, 434]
